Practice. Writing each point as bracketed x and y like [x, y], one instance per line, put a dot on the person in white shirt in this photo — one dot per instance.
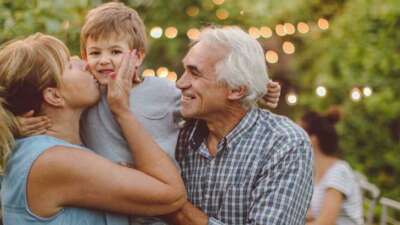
[337, 196]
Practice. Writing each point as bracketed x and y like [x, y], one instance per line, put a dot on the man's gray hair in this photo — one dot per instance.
[243, 64]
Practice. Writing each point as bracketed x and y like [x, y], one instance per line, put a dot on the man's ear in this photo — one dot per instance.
[53, 97]
[237, 93]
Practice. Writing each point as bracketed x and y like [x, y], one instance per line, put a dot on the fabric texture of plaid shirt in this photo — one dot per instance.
[261, 174]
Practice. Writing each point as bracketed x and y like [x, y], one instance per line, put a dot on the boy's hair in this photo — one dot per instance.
[114, 18]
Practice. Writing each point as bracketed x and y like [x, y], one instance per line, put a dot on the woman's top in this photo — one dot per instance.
[340, 177]
[14, 202]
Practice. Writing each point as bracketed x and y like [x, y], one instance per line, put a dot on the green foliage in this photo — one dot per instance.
[361, 48]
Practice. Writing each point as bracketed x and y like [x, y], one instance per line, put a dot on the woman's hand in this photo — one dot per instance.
[29, 125]
[271, 99]
[119, 84]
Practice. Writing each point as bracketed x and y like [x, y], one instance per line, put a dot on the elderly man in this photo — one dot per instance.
[240, 164]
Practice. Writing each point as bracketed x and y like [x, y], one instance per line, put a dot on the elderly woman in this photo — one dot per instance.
[52, 179]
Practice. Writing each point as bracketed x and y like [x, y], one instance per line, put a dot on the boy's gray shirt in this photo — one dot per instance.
[155, 102]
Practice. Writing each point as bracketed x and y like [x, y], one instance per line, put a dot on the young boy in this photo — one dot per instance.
[109, 31]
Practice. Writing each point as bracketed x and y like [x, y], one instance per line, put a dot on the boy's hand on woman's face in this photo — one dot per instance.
[30, 125]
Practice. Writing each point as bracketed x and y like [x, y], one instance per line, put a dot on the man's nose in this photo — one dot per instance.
[183, 82]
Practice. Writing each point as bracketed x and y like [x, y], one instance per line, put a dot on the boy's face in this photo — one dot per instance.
[104, 55]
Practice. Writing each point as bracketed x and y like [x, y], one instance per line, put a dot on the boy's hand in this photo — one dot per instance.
[119, 84]
[29, 125]
[271, 99]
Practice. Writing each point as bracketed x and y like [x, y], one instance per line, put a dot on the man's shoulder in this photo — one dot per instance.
[280, 127]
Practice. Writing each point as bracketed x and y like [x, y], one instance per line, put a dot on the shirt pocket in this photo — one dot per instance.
[154, 113]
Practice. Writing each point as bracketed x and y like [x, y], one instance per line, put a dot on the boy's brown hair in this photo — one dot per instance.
[114, 18]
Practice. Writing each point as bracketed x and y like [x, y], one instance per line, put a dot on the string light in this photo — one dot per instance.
[254, 32]
[171, 32]
[323, 24]
[156, 32]
[355, 94]
[193, 33]
[149, 73]
[162, 72]
[367, 91]
[321, 91]
[280, 30]
[242, 12]
[192, 11]
[172, 76]
[266, 32]
[288, 47]
[218, 2]
[222, 14]
[303, 27]
[289, 28]
[207, 5]
[271, 57]
[291, 99]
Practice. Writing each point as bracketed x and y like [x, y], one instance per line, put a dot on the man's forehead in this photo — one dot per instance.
[203, 53]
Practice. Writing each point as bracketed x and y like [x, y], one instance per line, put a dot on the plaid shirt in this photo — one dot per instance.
[262, 173]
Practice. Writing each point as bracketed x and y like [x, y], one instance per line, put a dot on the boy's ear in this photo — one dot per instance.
[237, 93]
[53, 97]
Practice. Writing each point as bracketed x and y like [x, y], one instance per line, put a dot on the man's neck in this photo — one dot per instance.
[221, 124]
[65, 125]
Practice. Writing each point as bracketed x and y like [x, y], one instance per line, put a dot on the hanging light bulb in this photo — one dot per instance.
[162, 72]
[288, 47]
[355, 94]
[271, 57]
[291, 98]
[156, 32]
[323, 24]
[149, 73]
[367, 91]
[321, 91]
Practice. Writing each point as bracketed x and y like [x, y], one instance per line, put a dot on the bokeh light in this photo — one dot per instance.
[271, 57]
[156, 32]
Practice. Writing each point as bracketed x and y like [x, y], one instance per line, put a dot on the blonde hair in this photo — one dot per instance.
[28, 66]
[114, 18]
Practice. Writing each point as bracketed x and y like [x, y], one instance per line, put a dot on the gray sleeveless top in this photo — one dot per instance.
[13, 189]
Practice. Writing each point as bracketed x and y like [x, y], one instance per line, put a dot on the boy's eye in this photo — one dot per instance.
[116, 52]
[94, 53]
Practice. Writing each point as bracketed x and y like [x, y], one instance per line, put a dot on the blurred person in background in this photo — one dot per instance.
[337, 197]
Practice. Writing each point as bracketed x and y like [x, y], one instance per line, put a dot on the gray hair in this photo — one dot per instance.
[243, 65]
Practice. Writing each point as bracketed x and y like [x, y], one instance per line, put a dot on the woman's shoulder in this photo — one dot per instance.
[341, 167]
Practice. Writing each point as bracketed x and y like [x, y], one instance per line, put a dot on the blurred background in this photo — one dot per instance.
[323, 52]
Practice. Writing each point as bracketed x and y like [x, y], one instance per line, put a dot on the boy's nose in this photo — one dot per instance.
[104, 60]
